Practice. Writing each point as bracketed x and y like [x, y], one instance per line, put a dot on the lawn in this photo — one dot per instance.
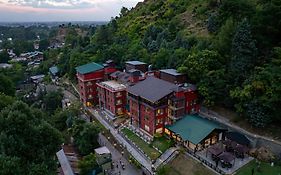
[265, 169]
[183, 165]
[148, 149]
[162, 143]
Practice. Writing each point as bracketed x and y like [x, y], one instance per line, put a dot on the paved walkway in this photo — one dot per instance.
[122, 141]
[166, 156]
[118, 160]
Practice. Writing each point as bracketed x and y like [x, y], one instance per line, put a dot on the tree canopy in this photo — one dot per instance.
[27, 142]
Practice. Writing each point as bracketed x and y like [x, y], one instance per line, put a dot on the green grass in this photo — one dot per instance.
[184, 165]
[265, 169]
[162, 143]
[149, 150]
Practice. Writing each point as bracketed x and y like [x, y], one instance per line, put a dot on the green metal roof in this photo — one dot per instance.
[54, 70]
[88, 68]
[193, 128]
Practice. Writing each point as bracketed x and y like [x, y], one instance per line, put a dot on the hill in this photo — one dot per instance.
[229, 48]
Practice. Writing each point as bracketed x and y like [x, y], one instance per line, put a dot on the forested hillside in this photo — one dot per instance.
[229, 48]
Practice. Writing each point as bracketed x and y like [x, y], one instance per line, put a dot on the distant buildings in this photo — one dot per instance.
[5, 66]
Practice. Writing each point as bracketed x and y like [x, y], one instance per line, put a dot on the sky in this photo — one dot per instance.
[61, 10]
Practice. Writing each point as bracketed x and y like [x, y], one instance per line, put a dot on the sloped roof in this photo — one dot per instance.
[193, 128]
[88, 68]
[152, 89]
[65, 165]
[135, 62]
[102, 150]
[171, 72]
[54, 70]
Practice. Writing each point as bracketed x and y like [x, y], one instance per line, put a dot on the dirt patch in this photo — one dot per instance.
[183, 165]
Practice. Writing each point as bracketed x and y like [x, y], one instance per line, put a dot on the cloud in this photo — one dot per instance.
[55, 4]
[61, 10]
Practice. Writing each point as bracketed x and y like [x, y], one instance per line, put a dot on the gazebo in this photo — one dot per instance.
[227, 159]
[215, 151]
[241, 150]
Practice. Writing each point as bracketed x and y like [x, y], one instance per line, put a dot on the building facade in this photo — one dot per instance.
[172, 76]
[88, 75]
[136, 65]
[148, 102]
[112, 97]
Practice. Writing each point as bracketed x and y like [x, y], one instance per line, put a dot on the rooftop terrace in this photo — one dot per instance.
[113, 85]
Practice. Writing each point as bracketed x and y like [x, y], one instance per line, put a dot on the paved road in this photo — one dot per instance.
[116, 157]
[119, 138]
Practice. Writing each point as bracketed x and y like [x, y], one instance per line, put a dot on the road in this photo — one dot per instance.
[116, 157]
[121, 140]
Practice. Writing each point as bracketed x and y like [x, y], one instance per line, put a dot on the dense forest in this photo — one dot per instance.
[229, 48]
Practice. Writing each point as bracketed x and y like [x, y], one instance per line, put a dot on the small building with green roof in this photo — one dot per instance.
[195, 132]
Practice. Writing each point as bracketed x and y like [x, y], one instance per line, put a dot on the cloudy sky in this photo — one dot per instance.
[61, 10]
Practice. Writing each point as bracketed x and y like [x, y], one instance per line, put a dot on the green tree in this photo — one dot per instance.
[7, 86]
[243, 51]
[85, 136]
[87, 164]
[5, 101]
[206, 69]
[27, 141]
[44, 44]
[53, 100]
[4, 57]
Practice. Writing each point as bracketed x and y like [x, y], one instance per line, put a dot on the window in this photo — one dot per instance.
[146, 118]
[159, 121]
[146, 128]
[119, 102]
[159, 111]
[146, 109]
[118, 94]
[89, 84]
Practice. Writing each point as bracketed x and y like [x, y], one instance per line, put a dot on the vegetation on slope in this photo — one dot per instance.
[228, 48]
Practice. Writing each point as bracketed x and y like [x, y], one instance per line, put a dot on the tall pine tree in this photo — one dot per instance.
[243, 52]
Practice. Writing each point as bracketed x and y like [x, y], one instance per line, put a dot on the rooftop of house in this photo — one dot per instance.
[36, 77]
[5, 65]
[123, 77]
[114, 85]
[171, 72]
[88, 68]
[135, 62]
[152, 89]
[64, 162]
[54, 70]
[193, 128]
[102, 150]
